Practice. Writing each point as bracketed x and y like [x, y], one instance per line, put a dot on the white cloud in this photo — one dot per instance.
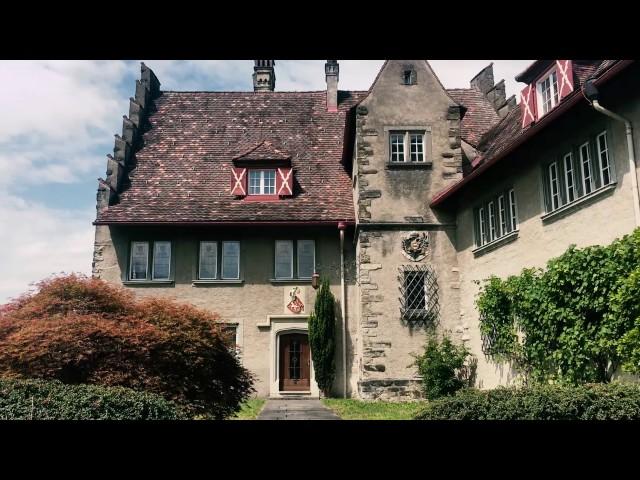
[38, 241]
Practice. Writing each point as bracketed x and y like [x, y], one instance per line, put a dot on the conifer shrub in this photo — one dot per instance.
[322, 333]
[82, 330]
[54, 400]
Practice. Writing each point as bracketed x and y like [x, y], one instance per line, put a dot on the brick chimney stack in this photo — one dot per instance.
[264, 76]
[331, 70]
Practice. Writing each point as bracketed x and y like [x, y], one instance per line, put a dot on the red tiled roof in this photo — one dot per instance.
[183, 169]
[479, 117]
[263, 150]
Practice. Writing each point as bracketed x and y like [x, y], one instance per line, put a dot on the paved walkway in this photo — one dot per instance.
[290, 409]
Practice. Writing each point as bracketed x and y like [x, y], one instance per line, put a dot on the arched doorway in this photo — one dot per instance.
[295, 362]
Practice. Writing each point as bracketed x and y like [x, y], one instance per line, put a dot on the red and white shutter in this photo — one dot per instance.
[238, 181]
[528, 104]
[565, 78]
[284, 181]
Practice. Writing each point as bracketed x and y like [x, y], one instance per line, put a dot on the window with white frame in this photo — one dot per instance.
[139, 264]
[495, 218]
[548, 95]
[585, 163]
[582, 171]
[569, 178]
[161, 260]
[262, 182]
[304, 253]
[230, 260]
[603, 157]
[407, 146]
[150, 264]
[208, 261]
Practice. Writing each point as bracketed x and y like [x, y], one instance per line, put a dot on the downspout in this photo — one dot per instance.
[343, 308]
[591, 93]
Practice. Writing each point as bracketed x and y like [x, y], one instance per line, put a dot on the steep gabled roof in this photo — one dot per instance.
[183, 168]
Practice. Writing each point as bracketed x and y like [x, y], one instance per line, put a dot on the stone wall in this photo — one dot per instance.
[393, 201]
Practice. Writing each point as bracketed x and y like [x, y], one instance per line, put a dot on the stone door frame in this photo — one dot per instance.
[278, 325]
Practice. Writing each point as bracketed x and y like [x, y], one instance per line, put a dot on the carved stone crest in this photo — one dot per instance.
[415, 245]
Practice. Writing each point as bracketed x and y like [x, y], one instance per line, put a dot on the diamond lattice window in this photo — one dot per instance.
[418, 294]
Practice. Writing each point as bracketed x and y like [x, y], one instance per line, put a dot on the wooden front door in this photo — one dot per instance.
[295, 362]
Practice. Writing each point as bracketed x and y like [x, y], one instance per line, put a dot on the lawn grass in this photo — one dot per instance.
[250, 409]
[350, 409]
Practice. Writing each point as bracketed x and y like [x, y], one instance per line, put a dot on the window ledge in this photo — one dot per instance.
[487, 247]
[289, 280]
[131, 283]
[576, 204]
[195, 283]
[408, 165]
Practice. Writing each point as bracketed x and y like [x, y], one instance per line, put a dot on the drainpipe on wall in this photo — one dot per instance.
[343, 308]
[591, 93]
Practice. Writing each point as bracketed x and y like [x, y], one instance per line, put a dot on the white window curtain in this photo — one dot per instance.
[161, 260]
[208, 268]
[284, 259]
[306, 258]
[231, 260]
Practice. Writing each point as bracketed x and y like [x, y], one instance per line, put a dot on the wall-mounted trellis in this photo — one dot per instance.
[419, 303]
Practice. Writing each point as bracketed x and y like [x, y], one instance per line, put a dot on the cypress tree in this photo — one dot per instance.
[322, 327]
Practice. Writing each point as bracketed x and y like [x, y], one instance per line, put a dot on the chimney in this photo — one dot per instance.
[331, 70]
[264, 77]
[483, 81]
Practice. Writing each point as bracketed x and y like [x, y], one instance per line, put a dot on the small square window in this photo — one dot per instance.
[262, 182]
[409, 77]
[407, 146]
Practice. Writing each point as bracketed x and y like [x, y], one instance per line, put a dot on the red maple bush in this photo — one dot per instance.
[84, 330]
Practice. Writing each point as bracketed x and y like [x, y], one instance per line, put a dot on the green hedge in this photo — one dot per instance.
[53, 400]
[613, 401]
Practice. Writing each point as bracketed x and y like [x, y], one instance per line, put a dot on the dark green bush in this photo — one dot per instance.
[612, 401]
[54, 400]
[444, 367]
[322, 337]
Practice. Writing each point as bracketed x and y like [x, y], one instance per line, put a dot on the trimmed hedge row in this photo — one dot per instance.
[54, 400]
[613, 401]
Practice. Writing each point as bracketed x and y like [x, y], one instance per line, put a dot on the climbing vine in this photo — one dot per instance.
[575, 321]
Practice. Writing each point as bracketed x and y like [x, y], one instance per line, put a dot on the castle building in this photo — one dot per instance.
[403, 196]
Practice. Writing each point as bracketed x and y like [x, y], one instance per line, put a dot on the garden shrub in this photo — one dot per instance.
[572, 322]
[54, 400]
[444, 367]
[611, 401]
[80, 330]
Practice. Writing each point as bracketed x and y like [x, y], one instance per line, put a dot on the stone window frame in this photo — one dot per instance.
[149, 279]
[426, 130]
[295, 261]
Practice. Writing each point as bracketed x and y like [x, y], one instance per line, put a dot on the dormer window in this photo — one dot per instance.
[544, 92]
[548, 95]
[262, 182]
[262, 172]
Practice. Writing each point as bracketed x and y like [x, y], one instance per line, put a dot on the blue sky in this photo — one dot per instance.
[57, 124]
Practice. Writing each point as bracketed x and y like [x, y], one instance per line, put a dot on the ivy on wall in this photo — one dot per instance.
[575, 321]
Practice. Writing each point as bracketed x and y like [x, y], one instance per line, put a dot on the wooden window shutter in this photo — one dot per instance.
[284, 181]
[565, 78]
[238, 181]
[528, 105]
